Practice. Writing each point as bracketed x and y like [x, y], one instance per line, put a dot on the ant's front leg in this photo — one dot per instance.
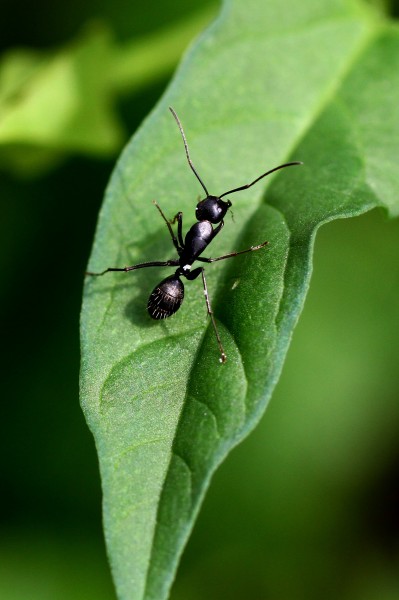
[177, 244]
[218, 228]
[179, 219]
[193, 275]
[232, 254]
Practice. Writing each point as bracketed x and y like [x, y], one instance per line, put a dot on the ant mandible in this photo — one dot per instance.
[168, 295]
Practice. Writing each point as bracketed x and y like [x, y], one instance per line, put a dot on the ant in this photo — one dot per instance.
[168, 295]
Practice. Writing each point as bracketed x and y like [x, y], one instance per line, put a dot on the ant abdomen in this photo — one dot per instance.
[166, 298]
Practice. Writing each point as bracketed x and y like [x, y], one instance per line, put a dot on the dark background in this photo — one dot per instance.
[307, 506]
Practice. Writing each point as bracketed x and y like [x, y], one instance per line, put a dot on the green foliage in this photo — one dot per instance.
[53, 103]
[317, 82]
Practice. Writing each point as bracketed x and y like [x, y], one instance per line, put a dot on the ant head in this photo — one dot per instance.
[212, 209]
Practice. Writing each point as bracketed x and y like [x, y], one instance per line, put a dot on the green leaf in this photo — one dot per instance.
[316, 82]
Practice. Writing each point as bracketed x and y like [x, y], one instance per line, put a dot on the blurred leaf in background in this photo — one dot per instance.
[63, 102]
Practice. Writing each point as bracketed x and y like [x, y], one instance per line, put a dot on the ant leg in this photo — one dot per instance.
[217, 229]
[166, 263]
[179, 219]
[232, 254]
[168, 224]
[193, 275]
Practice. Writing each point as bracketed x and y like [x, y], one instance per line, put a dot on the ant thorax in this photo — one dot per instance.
[197, 239]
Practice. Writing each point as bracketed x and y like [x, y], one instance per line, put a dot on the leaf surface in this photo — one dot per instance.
[317, 82]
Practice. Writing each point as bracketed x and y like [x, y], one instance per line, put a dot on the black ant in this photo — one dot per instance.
[168, 295]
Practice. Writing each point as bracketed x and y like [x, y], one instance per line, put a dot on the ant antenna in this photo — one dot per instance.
[186, 148]
[248, 185]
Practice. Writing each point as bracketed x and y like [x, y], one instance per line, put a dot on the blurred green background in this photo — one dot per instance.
[307, 506]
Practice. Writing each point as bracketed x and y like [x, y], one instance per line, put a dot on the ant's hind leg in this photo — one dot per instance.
[193, 275]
